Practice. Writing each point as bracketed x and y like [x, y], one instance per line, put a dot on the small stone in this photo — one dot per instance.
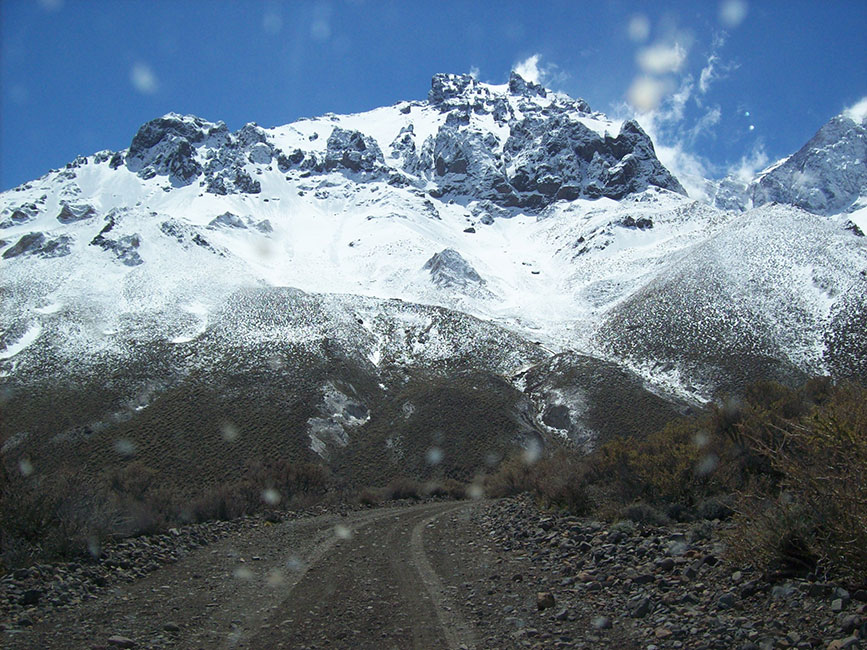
[562, 615]
[544, 600]
[737, 576]
[666, 564]
[172, 627]
[842, 644]
[119, 641]
[662, 632]
[30, 597]
[837, 605]
[726, 601]
[641, 608]
[860, 595]
[850, 623]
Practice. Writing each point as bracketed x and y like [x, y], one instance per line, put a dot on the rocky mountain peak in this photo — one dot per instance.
[826, 176]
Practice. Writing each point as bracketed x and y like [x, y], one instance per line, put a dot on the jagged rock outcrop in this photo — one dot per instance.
[449, 269]
[549, 155]
[125, 247]
[352, 151]
[37, 243]
[164, 146]
[72, 213]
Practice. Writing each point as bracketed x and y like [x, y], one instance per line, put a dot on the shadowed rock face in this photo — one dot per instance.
[549, 155]
[36, 243]
[825, 176]
[353, 151]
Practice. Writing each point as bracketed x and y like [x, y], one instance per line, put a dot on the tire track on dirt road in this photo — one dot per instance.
[375, 589]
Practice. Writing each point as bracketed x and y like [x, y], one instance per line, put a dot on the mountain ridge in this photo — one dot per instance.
[366, 259]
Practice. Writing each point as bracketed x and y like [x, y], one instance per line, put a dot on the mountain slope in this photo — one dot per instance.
[495, 266]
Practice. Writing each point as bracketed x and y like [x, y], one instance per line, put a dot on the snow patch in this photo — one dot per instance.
[27, 339]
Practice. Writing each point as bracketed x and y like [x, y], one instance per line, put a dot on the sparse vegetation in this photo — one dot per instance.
[789, 465]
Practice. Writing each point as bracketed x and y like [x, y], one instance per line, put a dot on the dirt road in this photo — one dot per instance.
[362, 581]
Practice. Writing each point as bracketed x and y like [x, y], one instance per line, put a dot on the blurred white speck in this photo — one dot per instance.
[272, 21]
[532, 452]
[275, 362]
[51, 5]
[752, 127]
[320, 30]
[275, 578]
[294, 564]
[677, 548]
[264, 249]
[747, 114]
[645, 93]
[94, 547]
[271, 496]
[243, 573]
[732, 12]
[661, 58]
[143, 79]
[476, 491]
[707, 465]
[434, 456]
[125, 447]
[492, 458]
[701, 439]
[342, 532]
[229, 432]
[638, 28]
[25, 467]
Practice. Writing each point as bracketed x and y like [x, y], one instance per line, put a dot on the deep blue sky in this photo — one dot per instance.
[79, 76]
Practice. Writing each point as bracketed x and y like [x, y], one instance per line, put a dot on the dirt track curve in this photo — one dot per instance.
[363, 580]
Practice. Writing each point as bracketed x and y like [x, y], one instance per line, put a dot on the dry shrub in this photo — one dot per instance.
[513, 476]
[561, 481]
[264, 486]
[814, 511]
[402, 487]
[557, 481]
[52, 517]
[370, 497]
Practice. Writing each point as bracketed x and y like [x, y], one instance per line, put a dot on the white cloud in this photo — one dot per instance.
[143, 79]
[706, 123]
[547, 74]
[750, 165]
[688, 168]
[857, 112]
[708, 74]
[661, 58]
[732, 12]
[529, 69]
[474, 72]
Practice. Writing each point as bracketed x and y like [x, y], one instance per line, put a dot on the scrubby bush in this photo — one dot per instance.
[789, 464]
[55, 517]
[813, 514]
[402, 487]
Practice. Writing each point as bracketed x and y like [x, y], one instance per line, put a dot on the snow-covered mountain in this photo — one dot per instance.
[318, 282]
